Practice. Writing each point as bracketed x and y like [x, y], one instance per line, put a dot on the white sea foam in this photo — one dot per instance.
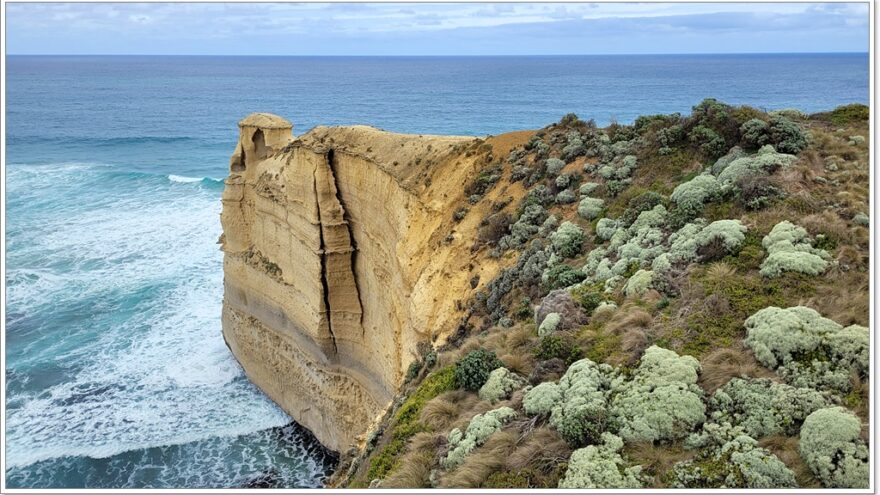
[184, 179]
[139, 272]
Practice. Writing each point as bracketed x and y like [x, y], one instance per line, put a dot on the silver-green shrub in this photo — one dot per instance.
[501, 383]
[692, 195]
[549, 226]
[525, 227]
[588, 188]
[577, 405]
[683, 245]
[589, 208]
[554, 166]
[731, 233]
[600, 466]
[763, 407]
[831, 446]
[562, 181]
[764, 162]
[581, 414]
[729, 458]
[661, 264]
[566, 196]
[653, 218]
[481, 427]
[754, 132]
[541, 399]
[639, 283]
[605, 228]
[662, 401]
[806, 349]
[568, 240]
[789, 248]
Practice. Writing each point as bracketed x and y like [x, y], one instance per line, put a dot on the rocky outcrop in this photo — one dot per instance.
[341, 257]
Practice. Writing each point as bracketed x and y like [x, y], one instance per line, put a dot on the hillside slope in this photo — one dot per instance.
[683, 302]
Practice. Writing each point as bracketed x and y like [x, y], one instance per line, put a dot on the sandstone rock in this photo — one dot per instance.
[336, 267]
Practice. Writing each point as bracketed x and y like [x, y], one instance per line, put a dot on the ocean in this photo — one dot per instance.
[116, 371]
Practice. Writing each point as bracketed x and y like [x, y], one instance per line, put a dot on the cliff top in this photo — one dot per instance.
[403, 156]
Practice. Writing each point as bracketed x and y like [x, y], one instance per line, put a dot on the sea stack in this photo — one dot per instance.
[342, 262]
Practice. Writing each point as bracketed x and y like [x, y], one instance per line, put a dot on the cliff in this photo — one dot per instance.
[342, 262]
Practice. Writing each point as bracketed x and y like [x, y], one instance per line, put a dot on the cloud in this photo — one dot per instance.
[433, 28]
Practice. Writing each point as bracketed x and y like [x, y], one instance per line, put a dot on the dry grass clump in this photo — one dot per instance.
[719, 271]
[521, 363]
[656, 460]
[414, 468]
[442, 410]
[720, 365]
[482, 462]
[543, 449]
[520, 337]
[830, 224]
[843, 297]
[627, 317]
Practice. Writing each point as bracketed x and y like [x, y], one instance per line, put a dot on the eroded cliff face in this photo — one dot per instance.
[341, 257]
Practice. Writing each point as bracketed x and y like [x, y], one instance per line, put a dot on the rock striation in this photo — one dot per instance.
[341, 260]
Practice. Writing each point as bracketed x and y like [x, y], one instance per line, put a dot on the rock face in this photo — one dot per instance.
[339, 262]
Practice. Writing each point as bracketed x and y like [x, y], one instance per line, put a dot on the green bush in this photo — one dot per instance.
[729, 458]
[568, 240]
[472, 371]
[588, 296]
[501, 383]
[692, 195]
[711, 144]
[562, 275]
[790, 249]
[806, 349]
[763, 407]
[601, 466]
[786, 136]
[846, 114]
[558, 346]
[662, 401]
[754, 133]
[590, 208]
[765, 162]
[831, 446]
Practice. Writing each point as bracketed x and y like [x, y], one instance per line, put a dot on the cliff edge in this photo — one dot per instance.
[343, 262]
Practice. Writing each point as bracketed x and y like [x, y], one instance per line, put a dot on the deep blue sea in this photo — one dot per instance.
[117, 374]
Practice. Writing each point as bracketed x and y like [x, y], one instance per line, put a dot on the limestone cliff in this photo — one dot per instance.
[341, 257]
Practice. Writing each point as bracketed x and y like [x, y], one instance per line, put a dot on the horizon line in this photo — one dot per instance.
[432, 55]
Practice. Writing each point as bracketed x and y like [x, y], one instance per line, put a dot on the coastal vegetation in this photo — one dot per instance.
[685, 304]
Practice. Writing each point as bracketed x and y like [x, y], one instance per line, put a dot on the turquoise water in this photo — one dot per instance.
[117, 374]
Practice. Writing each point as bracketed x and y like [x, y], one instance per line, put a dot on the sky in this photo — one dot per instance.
[434, 29]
